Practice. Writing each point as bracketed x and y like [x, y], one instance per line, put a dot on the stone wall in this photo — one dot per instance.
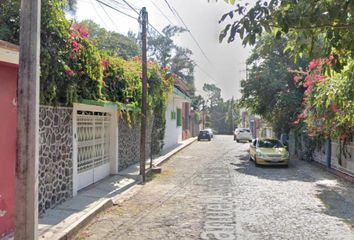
[55, 156]
[129, 142]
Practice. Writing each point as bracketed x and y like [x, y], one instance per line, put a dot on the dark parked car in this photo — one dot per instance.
[204, 134]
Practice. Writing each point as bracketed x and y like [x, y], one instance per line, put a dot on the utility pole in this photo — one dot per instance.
[26, 222]
[143, 20]
[232, 112]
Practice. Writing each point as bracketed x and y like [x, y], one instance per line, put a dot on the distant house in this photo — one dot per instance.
[178, 115]
[9, 55]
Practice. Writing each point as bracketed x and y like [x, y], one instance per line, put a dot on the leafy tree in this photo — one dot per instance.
[70, 64]
[309, 23]
[213, 94]
[197, 102]
[113, 42]
[321, 30]
[269, 90]
[222, 115]
[169, 55]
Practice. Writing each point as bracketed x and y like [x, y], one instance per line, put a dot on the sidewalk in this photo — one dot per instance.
[63, 221]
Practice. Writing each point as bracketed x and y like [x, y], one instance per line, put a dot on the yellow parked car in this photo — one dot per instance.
[268, 152]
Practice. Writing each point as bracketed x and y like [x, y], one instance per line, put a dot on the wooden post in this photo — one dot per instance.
[144, 16]
[26, 222]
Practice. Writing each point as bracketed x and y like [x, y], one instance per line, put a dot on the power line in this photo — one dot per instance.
[114, 24]
[163, 14]
[128, 15]
[136, 11]
[107, 5]
[206, 73]
[98, 14]
[131, 7]
[175, 12]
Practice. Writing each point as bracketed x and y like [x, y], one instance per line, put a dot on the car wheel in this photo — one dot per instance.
[250, 157]
[198, 139]
[249, 140]
[209, 139]
[234, 138]
[237, 140]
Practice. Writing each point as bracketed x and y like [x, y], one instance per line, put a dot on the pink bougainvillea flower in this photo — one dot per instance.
[104, 83]
[84, 32]
[296, 122]
[81, 29]
[309, 84]
[72, 55]
[301, 116]
[297, 78]
[70, 72]
[331, 58]
[313, 64]
[76, 46]
[334, 107]
[73, 36]
[320, 78]
[105, 63]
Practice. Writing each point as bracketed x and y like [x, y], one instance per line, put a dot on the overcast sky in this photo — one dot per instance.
[226, 65]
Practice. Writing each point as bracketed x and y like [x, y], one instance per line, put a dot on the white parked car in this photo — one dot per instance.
[242, 134]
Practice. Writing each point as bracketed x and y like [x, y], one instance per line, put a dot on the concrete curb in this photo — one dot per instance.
[123, 194]
[167, 156]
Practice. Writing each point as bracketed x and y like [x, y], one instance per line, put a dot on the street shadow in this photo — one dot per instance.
[277, 173]
[339, 202]
[336, 194]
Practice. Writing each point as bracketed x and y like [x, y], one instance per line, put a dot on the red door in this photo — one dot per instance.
[8, 85]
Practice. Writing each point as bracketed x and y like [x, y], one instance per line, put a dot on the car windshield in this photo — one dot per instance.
[269, 143]
[202, 132]
[244, 130]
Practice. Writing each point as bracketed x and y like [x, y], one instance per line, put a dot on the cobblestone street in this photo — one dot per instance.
[210, 190]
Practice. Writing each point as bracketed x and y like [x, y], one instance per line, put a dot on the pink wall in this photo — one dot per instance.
[8, 85]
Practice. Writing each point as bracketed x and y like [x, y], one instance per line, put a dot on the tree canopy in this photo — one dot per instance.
[171, 56]
[318, 30]
[269, 90]
[112, 42]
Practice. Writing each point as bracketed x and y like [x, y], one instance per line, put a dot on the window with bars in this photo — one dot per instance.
[179, 117]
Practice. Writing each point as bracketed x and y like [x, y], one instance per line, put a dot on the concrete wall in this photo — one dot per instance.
[55, 156]
[319, 155]
[346, 163]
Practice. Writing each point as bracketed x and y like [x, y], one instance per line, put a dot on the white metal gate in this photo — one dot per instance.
[93, 147]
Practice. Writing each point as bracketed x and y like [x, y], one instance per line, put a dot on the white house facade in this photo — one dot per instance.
[174, 118]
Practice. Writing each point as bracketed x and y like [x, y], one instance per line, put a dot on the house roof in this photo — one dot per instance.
[183, 87]
[181, 94]
[9, 53]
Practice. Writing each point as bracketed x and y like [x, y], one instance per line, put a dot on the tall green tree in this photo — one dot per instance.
[329, 23]
[112, 42]
[222, 115]
[171, 56]
[270, 90]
